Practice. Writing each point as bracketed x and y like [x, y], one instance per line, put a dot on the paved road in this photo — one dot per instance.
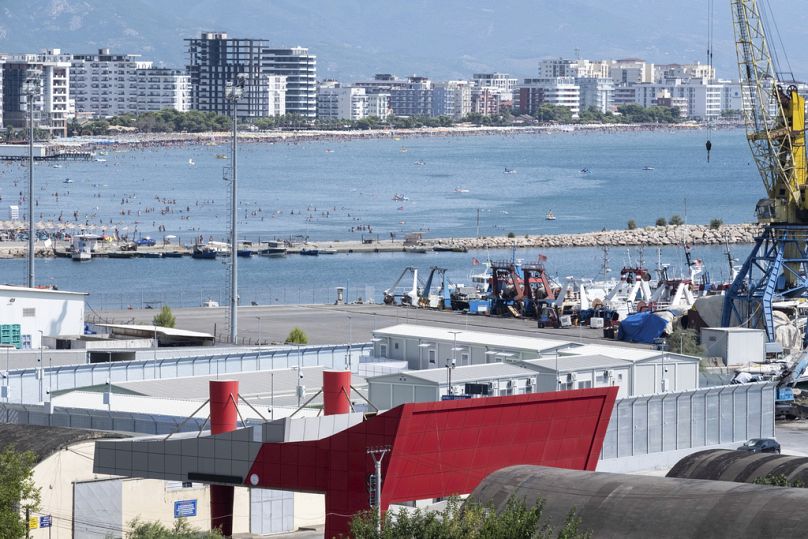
[331, 324]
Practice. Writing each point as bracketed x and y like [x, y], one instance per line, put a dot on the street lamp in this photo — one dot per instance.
[450, 365]
[29, 88]
[348, 358]
[41, 334]
[259, 330]
[233, 92]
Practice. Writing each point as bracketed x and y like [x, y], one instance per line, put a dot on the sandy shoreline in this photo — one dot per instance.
[135, 140]
[652, 236]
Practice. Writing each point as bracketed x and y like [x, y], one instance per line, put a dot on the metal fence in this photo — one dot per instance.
[29, 386]
[698, 418]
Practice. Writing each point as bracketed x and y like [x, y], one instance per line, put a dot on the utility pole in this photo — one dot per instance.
[29, 87]
[233, 92]
[377, 454]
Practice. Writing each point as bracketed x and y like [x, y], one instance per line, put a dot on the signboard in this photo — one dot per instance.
[45, 521]
[33, 523]
[184, 508]
[454, 397]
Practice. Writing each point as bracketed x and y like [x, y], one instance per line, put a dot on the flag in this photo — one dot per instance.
[475, 261]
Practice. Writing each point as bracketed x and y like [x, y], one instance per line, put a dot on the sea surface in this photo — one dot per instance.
[339, 190]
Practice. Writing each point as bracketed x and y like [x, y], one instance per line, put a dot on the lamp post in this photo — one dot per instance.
[348, 358]
[451, 365]
[259, 330]
[233, 92]
[30, 86]
[41, 334]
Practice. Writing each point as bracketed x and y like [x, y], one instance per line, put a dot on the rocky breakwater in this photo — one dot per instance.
[647, 236]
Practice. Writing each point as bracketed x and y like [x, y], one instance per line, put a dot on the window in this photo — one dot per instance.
[383, 350]
[395, 346]
[29, 312]
[584, 384]
[464, 358]
[432, 355]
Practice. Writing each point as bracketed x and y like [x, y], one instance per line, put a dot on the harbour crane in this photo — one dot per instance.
[774, 114]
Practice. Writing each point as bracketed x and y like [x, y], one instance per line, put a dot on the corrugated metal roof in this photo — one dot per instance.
[468, 373]
[151, 330]
[45, 441]
[579, 363]
[464, 336]
[620, 352]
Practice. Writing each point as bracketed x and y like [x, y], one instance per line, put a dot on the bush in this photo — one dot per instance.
[778, 480]
[297, 336]
[661, 221]
[632, 224]
[715, 224]
[156, 530]
[165, 318]
[685, 341]
[676, 220]
[511, 235]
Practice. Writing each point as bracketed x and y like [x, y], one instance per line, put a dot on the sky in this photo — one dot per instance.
[442, 39]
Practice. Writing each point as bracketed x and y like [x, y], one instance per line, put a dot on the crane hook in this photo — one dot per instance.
[709, 147]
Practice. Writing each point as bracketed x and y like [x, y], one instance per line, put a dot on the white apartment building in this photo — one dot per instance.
[451, 98]
[378, 105]
[703, 98]
[106, 84]
[343, 103]
[300, 69]
[161, 88]
[556, 67]
[559, 91]
[579, 68]
[663, 72]
[276, 94]
[596, 92]
[631, 71]
[50, 73]
[504, 83]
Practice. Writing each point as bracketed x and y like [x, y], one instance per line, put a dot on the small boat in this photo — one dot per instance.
[81, 256]
[67, 180]
[648, 168]
[122, 254]
[586, 171]
[57, 165]
[151, 255]
[398, 197]
[328, 251]
[221, 156]
[403, 150]
[418, 250]
[100, 160]
[310, 252]
[450, 249]
[461, 190]
[245, 253]
[210, 303]
[203, 252]
[173, 254]
[420, 162]
[191, 162]
[329, 150]
[509, 171]
[550, 216]
[274, 249]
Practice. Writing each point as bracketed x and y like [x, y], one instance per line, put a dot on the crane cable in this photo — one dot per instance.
[710, 26]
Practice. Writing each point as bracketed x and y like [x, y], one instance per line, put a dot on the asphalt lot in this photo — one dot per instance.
[335, 324]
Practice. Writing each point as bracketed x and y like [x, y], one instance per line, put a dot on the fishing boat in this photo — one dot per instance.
[122, 254]
[274, 249]
[450, 248]
[417, 250]
[420, 162]
[173, 254]
[461, 190]
[550, 216]
[399, 197]
[245, 253]
[310, 252]
[204, 252]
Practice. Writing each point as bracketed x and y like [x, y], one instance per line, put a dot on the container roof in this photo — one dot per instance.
[464, 336]
[468, 373]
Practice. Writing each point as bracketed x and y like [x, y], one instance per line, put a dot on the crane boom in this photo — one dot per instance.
[775, 121]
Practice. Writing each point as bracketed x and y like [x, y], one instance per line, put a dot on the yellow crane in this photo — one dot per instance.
[774, 114]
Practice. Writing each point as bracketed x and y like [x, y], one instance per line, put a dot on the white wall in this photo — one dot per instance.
[54, 314]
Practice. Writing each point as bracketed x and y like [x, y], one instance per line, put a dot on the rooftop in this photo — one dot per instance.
[468, 373]
[45, 441]
[493, 340]
[20, 289]
[577, 363]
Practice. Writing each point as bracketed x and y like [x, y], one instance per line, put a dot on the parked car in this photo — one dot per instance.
[761, 445]
[146, 242]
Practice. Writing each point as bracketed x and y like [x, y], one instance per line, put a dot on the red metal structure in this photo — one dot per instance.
[438, 449]
[223, 415]
[336, 392]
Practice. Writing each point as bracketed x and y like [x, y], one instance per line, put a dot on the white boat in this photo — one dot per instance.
[67, 180]
[83, 247]
[191, 162]
[461, 190]
[648, 168]
[550, 216]
[420, 162]
[100, 160]
[509, 171]
[398, 197]
[210, 303]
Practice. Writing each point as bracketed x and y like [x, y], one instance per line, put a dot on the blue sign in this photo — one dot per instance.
[184, 508]
[45, 522]
[454, 397]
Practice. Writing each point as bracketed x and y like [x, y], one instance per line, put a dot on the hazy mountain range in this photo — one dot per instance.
[441, 39]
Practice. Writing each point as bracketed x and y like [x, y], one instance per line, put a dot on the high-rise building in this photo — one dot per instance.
[276, 93]
[596, 92]
[413, 98]
[2, 61]
[499, 81]
[558, 91]
[162, 88]
[702, 97]
[698, 70]
[451, 98]
[50, 73]
[489, 101]
[379, 104]
[214, 60]
[631, 71]
[341, 102]
[300, 69]
[106, 84]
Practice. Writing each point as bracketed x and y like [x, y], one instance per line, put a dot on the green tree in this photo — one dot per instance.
[632, 224]
[165, 318]
[511, 235]
[297, 336]
[155, 530]
[778, 480]
[715, 224]
[676, 220]
[685, 341]
[661, 221]
[17, 492]
[469, 520]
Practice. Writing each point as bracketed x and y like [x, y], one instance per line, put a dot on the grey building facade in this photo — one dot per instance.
[300, 69]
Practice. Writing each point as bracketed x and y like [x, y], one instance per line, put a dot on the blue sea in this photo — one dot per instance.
[339, 190]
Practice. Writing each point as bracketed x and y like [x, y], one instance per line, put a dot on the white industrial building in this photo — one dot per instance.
[40, 312]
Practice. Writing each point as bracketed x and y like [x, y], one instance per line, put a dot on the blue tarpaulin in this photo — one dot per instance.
[641, 327]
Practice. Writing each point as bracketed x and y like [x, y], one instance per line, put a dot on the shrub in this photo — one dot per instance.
[715, 224]
[661, 221]
[297, 336]
[684, 341]
[511, 235]
[632, 224]
[676, 220]
[165, 318]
